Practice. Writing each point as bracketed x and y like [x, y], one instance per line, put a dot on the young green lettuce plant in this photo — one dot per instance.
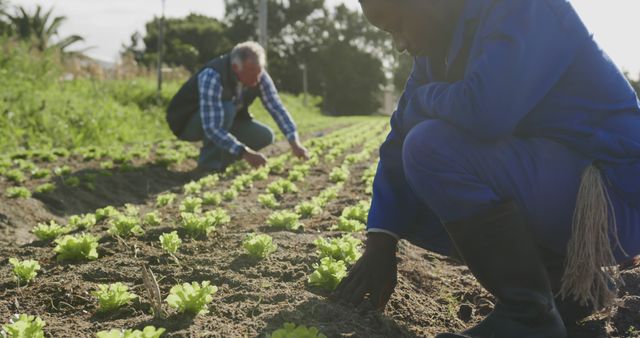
[147, 332]
[211, 198]
[358, 212]
[348, 225]
[46, 232]
[125, 226]
[307, 209]
[106, 213]
[191, 298]
[112, 296]
[268, 200]
[259, 246]
[290, 330]
[23, 326]
[18, 192]
[152, 218]
[191, 204]
[165, 199]
[24, 271]
[82, 222]
[170, 242]
[345, 248]
[284, 220]
[339, 174]
[197, 225]
[45, 188]
[77, 248]
[328, 273]
[230, 194]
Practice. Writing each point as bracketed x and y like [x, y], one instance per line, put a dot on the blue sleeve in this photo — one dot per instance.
[520, 52]
[394, 206]
[212, 112]
[271, 101]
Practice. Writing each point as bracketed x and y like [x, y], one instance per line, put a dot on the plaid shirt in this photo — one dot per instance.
[212, 112]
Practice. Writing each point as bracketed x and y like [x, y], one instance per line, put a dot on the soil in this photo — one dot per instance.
[254, 297]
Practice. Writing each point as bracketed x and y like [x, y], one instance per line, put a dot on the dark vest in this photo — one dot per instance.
[186, 102]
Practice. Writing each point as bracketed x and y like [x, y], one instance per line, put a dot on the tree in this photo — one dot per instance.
[40, 28]
[189, 41]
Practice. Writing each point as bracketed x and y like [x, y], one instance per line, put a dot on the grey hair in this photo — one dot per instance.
[245, 50]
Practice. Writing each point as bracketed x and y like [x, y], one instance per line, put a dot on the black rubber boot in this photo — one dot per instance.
[570, 310]
[502, 255]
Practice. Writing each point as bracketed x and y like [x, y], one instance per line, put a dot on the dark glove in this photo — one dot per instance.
[375, 273]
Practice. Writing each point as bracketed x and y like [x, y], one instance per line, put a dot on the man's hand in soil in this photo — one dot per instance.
[299, 150]
[375, 273]
[254, 158]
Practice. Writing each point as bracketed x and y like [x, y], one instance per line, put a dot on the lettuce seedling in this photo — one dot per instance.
[276, 166]
[290, 330]
[259, 246]
[339, 174]
[328, 273]
[281, 187]
[284, 220]
[40, 173]
[82, 222]
[170, 242]
[196, 225]
[349, 225]
[358, 212]
[46, 232]
[131, 210]
[152, 218]
[165, 199]
[230, 194]
[268, 200]
[211, 198]
[209, 180]
[45, 188]
[346, 248]
[113, 296]
[260, 174]
[191, 204]
[192, 188]
[64, 170]
[147, 332]
[242, 182]
[217, 217]
[24, 271]
[106, 213]
[308, 209]
[191, 298]
[24, 326]
[75, 248]
[15, 175]
[18, 192]
[125, 226]
[295, 176]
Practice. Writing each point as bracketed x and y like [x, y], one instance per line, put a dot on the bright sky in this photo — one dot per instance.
[106, 25]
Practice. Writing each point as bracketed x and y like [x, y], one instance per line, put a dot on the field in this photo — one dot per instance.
[153, 192]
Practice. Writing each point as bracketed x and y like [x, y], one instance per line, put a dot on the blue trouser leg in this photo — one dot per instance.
[253, 134]
[457, 177]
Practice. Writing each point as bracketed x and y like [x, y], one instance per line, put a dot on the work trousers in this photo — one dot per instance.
[251, 133]
[456, 177]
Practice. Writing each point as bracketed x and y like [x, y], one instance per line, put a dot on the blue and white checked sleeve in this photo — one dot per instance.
[212, 112]
[271, 101]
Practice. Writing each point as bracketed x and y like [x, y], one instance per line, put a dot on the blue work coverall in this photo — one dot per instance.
[524, 101]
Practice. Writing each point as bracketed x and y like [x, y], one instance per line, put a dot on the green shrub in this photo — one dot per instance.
[113, 296]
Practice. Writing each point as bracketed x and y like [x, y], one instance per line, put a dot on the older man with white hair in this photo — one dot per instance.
[212, 106]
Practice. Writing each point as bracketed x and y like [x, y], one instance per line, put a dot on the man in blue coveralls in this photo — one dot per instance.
[515, 148]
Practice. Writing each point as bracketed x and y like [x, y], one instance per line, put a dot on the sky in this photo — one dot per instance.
[106, 25]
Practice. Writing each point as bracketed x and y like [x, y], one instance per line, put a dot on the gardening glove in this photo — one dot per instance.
[375, 273]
